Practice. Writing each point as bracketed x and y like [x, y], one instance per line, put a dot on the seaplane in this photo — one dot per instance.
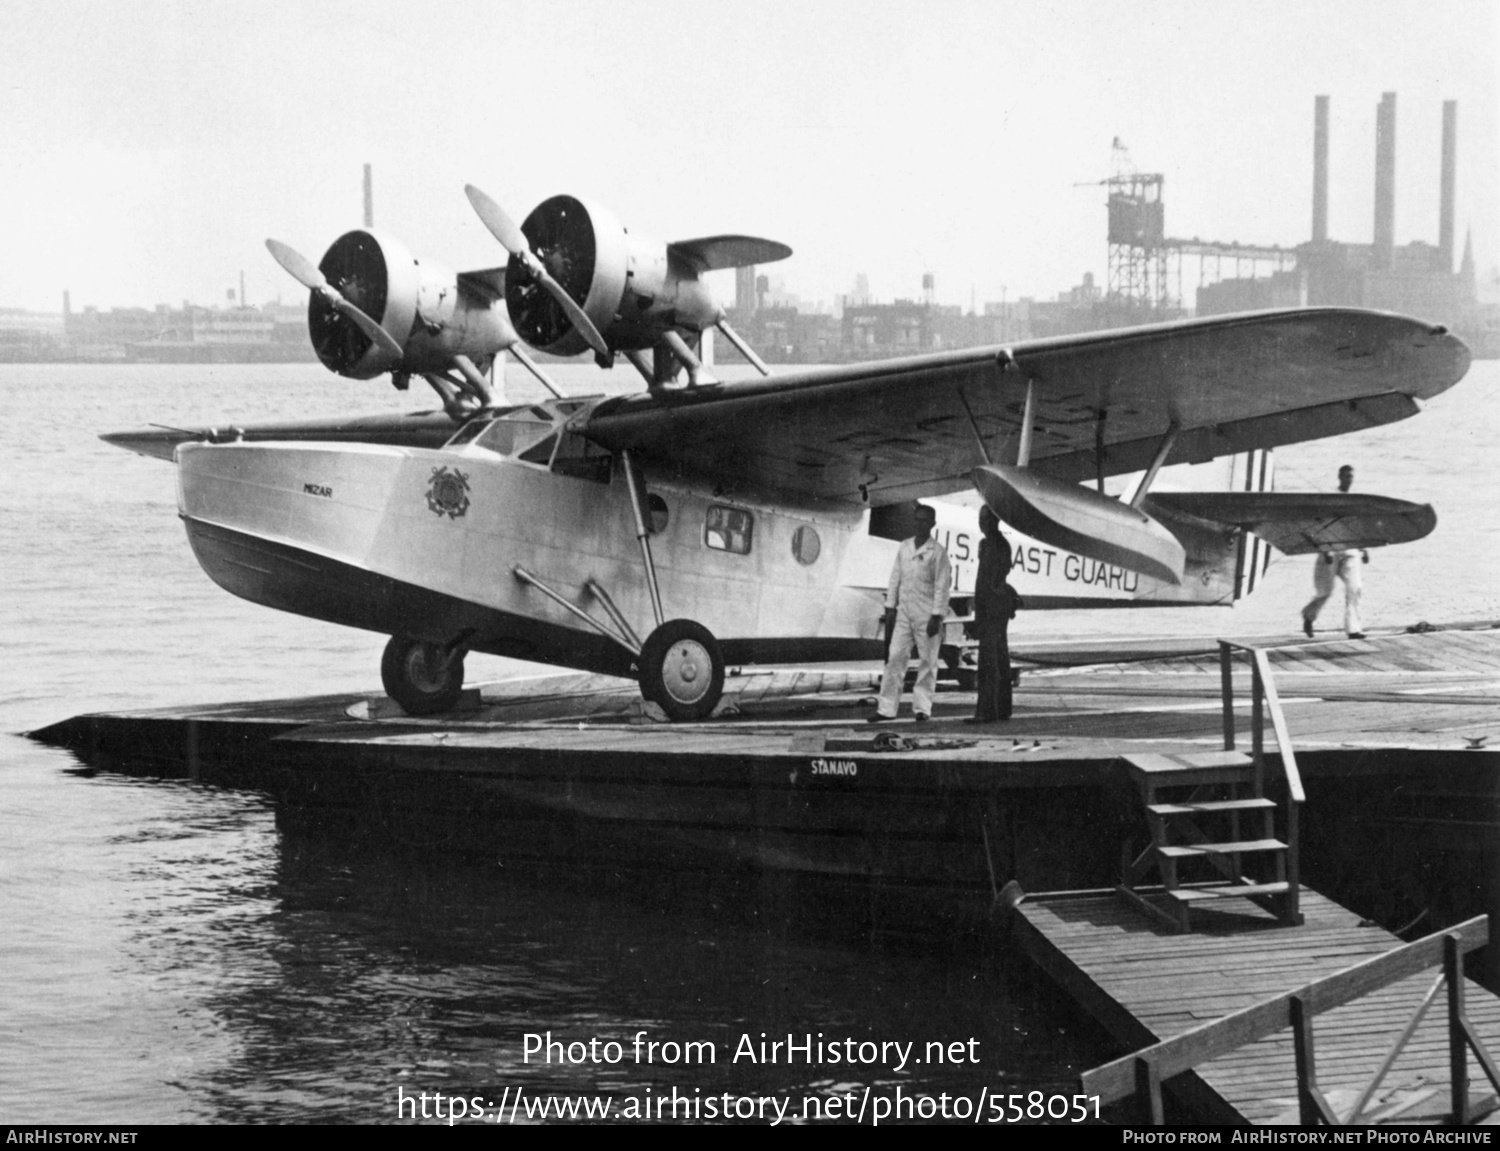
[694, 523]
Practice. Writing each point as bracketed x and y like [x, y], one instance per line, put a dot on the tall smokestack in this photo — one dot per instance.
[1450, 174]
[1320, 169]
[1385, 179]
[369, 198]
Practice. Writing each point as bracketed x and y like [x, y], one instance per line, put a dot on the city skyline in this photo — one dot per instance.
[154, 148]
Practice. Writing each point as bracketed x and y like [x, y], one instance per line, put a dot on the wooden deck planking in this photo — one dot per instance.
[1138, 976]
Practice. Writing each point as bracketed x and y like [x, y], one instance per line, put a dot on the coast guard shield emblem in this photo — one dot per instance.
[448, 493]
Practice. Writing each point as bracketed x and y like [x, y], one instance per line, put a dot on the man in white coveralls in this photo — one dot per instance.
[1344, 565]
[916, 601]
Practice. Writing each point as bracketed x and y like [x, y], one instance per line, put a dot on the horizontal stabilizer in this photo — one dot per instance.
[1297, 523]
[710, 253]
[1080, 520]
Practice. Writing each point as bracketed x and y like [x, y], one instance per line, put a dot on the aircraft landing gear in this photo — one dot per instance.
[424, 678]
[682, 669]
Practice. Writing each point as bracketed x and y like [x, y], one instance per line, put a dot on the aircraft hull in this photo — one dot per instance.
[422, 542]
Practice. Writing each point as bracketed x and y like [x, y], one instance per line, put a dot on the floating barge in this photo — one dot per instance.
[1397, 742]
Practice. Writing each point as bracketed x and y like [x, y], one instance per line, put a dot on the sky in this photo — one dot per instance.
[151, 147]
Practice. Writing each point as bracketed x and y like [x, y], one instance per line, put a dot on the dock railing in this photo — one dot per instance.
[1143, 1073]
[1265, 701]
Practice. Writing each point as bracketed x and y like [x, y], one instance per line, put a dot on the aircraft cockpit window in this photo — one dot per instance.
[728, 529]
[541, 453]
[580, 458]
[515, 432]
[468, 433]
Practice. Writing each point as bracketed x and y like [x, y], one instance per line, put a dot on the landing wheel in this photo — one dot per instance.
[424, 678]
[682, 669]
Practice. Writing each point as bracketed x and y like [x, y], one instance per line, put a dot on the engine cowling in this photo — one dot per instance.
[419, 302]
[633, 287]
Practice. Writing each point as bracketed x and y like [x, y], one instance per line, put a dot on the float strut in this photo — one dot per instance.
[1028, 415]
[1160, 458]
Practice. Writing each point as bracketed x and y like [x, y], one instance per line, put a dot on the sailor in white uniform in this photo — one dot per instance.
[916, 602]
[1344, 565]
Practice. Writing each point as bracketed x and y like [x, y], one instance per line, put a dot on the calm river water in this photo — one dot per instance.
[169, 955]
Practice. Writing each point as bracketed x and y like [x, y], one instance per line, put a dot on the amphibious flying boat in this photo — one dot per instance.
[664, 533]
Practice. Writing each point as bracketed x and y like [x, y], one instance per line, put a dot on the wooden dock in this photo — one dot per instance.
[1145, 984]
[568, 766]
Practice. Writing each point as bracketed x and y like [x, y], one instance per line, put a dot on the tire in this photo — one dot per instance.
[682, 670]
[424, 678]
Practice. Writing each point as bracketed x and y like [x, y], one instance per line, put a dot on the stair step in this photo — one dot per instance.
[1190, 768]
[1212, 805]
[1230, 891]
[1240, 848]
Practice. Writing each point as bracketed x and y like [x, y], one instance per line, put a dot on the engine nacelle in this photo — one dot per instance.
[634, 288]
[421, 303]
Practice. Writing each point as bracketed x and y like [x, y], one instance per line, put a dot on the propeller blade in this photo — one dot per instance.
[303, 270]
[306, 273]
[501, 226]
[513, 240]
[381, 338]
[579, 317]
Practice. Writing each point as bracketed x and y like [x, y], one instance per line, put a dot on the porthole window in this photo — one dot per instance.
[728, 529]
[806, 545]
[659, 514]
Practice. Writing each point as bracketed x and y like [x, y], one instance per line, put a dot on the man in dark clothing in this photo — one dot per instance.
[995, 602]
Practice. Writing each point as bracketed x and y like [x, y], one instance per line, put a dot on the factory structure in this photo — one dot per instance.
[1145, 282]
[1419, 278]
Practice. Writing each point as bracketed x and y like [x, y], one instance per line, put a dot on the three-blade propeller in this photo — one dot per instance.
[306, 273]
[511, 238]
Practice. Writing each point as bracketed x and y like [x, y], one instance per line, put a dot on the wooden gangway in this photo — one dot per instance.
[1147, 984]
[1230, 1014]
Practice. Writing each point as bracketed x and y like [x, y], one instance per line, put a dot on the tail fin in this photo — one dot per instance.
[1252, 471]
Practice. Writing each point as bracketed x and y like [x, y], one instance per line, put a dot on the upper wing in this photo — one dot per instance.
[1297, 522]
[900, 429]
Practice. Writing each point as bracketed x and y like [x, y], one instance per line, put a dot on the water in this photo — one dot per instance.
[170, 955]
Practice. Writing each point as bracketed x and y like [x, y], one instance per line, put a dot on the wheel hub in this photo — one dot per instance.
[426, 668]
[687, 672]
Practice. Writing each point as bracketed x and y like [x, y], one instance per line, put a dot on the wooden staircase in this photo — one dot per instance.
[1213, 833]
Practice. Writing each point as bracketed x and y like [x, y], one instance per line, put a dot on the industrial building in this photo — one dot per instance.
[1418, 278]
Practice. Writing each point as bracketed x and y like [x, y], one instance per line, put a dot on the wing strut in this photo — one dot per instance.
[697, 373]
[1099, 449]
[748, 352]
[984, 452]
[536, 370]
[478, 385]
[635, 481]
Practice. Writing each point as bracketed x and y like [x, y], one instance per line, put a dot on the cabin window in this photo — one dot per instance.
[728, 529]
[660, 514]
[806, 546]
